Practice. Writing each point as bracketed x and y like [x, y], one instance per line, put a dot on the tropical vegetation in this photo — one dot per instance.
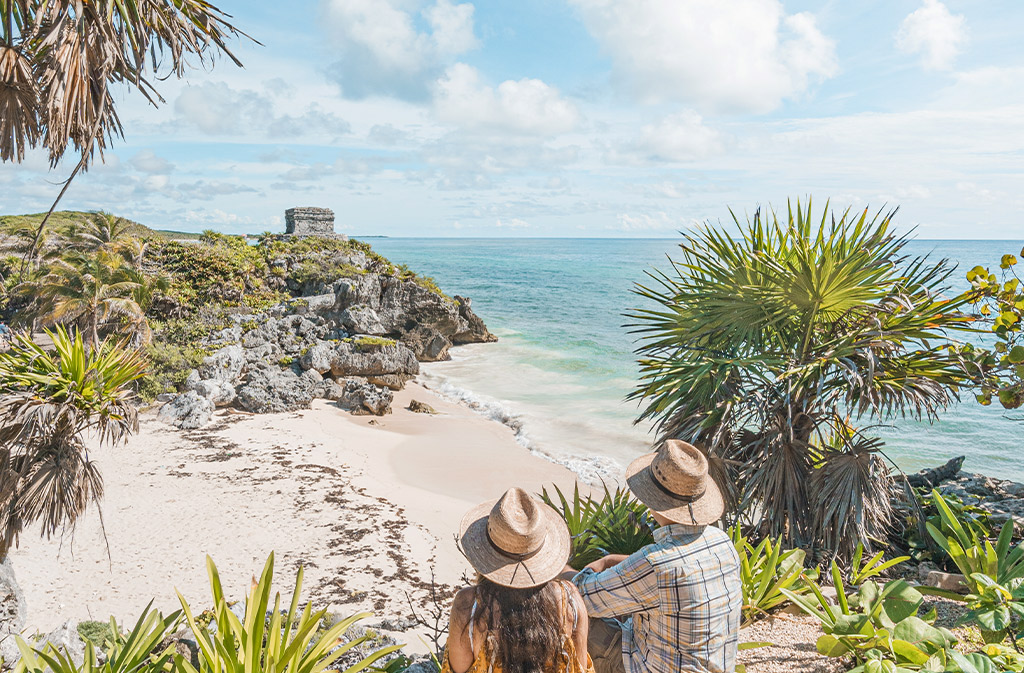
[49, 402]
[61, 59]
[774, 347]
[268, 637]
[999, 305]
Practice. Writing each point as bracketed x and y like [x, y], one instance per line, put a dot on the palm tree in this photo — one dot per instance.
[104, 231]
[767, 347]
[59, 60]
[87, 288]
[48, 402]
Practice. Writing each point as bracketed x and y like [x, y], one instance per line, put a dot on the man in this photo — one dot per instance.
[675, 604]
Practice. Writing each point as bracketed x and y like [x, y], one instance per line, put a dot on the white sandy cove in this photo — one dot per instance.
[368, 505]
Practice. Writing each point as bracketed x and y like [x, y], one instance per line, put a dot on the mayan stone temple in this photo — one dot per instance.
[309, 221]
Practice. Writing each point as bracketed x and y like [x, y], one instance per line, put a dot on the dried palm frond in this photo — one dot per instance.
[19, 116]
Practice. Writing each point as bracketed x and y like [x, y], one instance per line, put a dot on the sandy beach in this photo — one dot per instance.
[368, 505]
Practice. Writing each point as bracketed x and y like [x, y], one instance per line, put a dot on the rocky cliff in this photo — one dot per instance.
[360, 337]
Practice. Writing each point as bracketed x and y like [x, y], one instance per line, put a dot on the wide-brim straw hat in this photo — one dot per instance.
[515, 541]
[674, 482]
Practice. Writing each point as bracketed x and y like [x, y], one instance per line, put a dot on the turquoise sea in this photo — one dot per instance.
[564, 362]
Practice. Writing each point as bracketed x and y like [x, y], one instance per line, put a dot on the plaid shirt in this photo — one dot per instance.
[683, 593]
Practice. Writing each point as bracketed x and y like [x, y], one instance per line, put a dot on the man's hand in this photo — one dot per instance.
[610, 561]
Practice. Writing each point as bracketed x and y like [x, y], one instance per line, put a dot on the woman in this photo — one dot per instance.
[517, 618]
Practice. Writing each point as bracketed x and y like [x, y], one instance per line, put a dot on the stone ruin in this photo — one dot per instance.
[310, 221]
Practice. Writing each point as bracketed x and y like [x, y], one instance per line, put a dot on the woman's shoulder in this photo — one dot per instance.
[462, 604]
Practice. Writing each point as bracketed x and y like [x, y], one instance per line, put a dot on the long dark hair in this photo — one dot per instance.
[526, 624]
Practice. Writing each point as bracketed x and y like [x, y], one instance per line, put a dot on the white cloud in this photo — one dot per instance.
[147, 161]
[527, 106]
[383, 53]
[933, 32]
[217, 108]
[512, 223]
[716, 55]
[679, 137]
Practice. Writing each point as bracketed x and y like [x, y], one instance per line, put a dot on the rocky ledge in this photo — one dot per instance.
[355, 345]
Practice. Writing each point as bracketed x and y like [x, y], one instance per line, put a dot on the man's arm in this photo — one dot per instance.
[600, 565]
[624, 585]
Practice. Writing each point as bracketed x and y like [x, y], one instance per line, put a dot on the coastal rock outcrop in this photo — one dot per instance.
[352, 339]
[362, 397]
[187, 411]
[272, 390]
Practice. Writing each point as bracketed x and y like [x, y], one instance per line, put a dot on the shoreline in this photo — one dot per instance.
[369, 505]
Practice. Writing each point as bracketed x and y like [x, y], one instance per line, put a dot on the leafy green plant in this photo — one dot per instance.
[995, 608]
[618, 523]
[48, 402]
[134, 652]
[878, 626]
[872, 567]
[1000, 305]
[271, 642]
[1002, 562]
[765, 570]
[763, 343]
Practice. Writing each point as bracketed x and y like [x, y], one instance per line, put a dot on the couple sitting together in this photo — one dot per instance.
[672, 606]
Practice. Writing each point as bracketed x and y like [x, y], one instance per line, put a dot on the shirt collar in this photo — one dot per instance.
[676, 530]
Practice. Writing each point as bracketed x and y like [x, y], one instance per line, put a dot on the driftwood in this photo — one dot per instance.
[936, 475]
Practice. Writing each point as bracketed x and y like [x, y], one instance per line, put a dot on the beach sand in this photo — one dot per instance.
[368, 505]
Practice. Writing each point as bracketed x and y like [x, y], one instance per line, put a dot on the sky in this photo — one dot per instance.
[622, 118]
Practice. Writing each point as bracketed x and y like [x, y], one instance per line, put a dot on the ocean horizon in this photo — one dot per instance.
[564, 364]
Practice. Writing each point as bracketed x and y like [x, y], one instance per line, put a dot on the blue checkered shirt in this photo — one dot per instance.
[683, 596]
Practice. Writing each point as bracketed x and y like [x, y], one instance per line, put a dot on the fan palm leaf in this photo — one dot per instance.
[756, 340]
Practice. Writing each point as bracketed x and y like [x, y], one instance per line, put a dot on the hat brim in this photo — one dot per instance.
[703, 511]
[542, 567]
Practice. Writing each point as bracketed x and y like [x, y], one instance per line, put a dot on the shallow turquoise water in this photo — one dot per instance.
[564, 363]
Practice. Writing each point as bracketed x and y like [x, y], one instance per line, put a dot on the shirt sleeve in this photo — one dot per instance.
[623, 589]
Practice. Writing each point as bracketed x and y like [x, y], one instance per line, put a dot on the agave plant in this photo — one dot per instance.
[138, 651]
[268, 639]
[618, 523]
[766, 346]
[765, 570]
[48, 402]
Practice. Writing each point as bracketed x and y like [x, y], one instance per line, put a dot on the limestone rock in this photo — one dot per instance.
[427, 344]
[221, 393]
[477, 331]
[271, 391]
[13, 609]
[361, 319]
[418, 407]
[365, 358]
[66, 640]
[946, 581]
[393, 381]
[187, 411]
[224, 365]
[318, 357]
[184, 643]
[362, 397]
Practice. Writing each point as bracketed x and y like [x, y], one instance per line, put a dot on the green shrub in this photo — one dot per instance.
[370, 342]
[97, 633]
[618, 523]
[169, 365]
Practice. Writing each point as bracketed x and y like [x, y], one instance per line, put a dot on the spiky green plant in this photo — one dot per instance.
[766, 345]
[618, 523]
[137, 651]
[765, 570]
[268, 639]
[48, 402]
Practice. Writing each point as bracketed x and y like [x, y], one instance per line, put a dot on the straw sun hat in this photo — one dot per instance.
[674, 482]
[515, 541]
